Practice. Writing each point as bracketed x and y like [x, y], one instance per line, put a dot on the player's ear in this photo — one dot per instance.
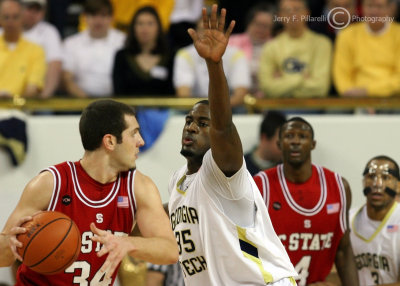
[313, 145]
[278, 143]
[109, 141]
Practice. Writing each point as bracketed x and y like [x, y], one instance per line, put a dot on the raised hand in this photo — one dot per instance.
[115, 246]
[211, 42]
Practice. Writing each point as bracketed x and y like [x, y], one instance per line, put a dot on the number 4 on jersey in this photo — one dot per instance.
[302, 270]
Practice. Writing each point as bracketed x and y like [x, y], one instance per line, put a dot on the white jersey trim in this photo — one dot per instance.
[131, 191]
[56, 188]
[82, 197]
[343, 210]
[265, 187]
[292, 203]
[378, 230]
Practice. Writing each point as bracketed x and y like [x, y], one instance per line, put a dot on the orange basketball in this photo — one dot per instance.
[51, 243]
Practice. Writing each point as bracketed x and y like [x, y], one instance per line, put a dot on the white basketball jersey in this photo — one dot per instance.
[377, 255]
[213, 250]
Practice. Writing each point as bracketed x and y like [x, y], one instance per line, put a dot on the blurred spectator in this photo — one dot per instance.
[144, 66]
[124, 11]
[22, 62]
[164, 275]
[338, 18]
[266, 154]
[89, 55]
[237, 9]
[191, 77]
[184, 16]
[296, 63]
[367, 54]
[47, 36]
[259, 26]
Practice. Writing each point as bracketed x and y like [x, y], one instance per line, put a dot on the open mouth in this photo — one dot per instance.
[187, 140]
[295, 153]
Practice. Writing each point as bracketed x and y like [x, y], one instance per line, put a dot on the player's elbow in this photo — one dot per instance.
[173, 254]
[6, 260]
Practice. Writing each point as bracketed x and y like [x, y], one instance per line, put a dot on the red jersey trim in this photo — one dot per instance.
[292, 203]
[84, 199]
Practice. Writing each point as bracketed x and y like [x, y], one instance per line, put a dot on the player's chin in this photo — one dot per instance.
[187, 151]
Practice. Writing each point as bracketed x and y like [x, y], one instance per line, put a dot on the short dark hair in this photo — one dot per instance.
[100, 118]
[132, 45]
[203, 101]
[272, 121]
[298, 119]
[386, 158]
[93, 7]
[257, 8]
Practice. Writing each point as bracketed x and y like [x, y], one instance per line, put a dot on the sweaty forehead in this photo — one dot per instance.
[200, 110]
[296, 125]
[380, 165]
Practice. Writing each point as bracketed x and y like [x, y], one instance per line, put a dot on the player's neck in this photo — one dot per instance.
[98, 168]
[297, 174]
[378, 214]
[193, 166]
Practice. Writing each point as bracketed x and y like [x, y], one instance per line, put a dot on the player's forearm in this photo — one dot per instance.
[218, 96]
[346, 266]
[156, 250]
[6, 256]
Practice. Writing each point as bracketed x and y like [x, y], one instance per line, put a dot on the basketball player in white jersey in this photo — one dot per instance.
[222, 227]
[376, 225]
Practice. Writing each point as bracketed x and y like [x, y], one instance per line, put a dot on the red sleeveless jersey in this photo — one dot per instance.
[309, 218]
[110, 206]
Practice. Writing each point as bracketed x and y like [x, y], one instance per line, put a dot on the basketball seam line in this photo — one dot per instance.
[44, 258]
[72, 258]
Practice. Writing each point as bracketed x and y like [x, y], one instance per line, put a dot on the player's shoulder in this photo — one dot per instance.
[396, 212]
[325, 169]
[267, 172]
[142, 178]
[271, 171]
[42, 184]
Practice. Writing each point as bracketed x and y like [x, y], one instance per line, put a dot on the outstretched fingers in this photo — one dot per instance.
[192, 33]
[206, 23]
[221, 21]
[213, 17]
[230, 29]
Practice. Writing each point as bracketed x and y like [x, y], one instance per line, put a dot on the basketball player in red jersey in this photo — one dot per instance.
[104, 195]
[308, 206]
